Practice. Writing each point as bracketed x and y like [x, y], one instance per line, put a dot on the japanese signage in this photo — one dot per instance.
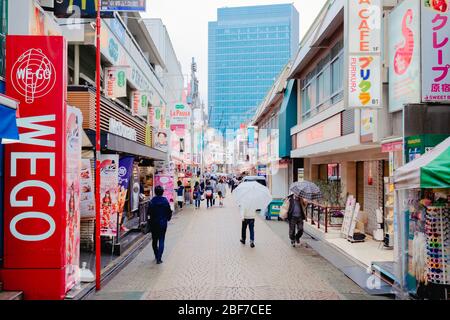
[109, 182]
[115, 82]
[435, 51]
[404, 55]
[363, 22]
[118, 128]
[139, 103]
[73, 168]
[120, 5]
[35, 169]
[87, 202]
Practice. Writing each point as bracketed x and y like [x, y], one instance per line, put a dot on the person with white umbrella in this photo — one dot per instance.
[251, 196]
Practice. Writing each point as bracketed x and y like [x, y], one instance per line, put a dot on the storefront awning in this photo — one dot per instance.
[119, 144]
[432, 170]
[8, 123]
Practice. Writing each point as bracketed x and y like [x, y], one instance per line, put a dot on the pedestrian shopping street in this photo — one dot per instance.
[204, 259]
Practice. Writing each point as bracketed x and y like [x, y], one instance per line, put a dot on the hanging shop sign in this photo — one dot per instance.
[367, 125]
[118, 128]
[87, 201]
[115, 82]
[139, 103]
[109, 189]
[435, 51]
[35, 216]
[180, 114]
[404, 55]
[120, 5]
[148, 136]
[392, 146]
[73, 192]
[363, 22]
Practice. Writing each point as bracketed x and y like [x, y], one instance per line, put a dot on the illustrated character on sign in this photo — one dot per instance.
[404, 51]
[106, 208]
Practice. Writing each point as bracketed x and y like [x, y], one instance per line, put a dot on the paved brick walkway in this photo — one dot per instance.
[205, 260]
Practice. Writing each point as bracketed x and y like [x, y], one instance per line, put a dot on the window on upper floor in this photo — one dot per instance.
[323, 86]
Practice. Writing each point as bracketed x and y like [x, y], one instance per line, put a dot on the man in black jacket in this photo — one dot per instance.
[296, 216]
[160, 213]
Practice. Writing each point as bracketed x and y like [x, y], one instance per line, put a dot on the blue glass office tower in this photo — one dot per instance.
[248, 47]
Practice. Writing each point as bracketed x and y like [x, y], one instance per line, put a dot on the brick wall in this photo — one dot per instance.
[373, 194]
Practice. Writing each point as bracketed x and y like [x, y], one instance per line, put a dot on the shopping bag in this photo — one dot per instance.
[284, 209]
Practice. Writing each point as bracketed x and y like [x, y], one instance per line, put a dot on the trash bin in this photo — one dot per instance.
[274, 209]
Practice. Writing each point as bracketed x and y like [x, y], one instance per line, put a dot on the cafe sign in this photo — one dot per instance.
[363, 53]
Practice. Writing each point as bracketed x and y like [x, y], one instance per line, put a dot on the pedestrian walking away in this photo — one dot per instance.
[197, 195]
[221, 190]
[209, 194]
[296, 218]
[180, 194]
[248, 219]
[160, 213]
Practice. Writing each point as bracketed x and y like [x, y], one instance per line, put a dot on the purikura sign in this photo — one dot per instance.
[363, 23]
[35, 218]
[435, 50]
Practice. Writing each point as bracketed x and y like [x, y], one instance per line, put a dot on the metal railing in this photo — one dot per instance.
[329, 216]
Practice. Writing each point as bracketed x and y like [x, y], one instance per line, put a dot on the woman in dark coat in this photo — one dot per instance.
[160, 213]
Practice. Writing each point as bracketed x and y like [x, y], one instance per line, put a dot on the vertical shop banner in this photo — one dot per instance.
[135, 188]
[156, 116]
[367, 125]
[363, 22]
[115, 82]
[139, 103]
[404, 55]
[167, 182]
[109, 179]
[435, 51]
[73, 192]
[35, 168]
[125, 170]
[87, 201]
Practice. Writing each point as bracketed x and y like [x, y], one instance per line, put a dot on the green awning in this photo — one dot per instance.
[432, 170]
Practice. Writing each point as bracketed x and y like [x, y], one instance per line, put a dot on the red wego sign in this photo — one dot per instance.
[35, 192]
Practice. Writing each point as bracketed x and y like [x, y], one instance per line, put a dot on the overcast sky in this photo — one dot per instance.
[187, 24]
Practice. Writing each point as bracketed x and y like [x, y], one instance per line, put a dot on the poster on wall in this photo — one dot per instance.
[115, 82]
[109, 179]
[363, 21]
[125, 170]
[435, 51]
[87, 198]
[162, 141]
[36, 77]
[73, 169]
[135, 189]
[167, 182]
[404, 55]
